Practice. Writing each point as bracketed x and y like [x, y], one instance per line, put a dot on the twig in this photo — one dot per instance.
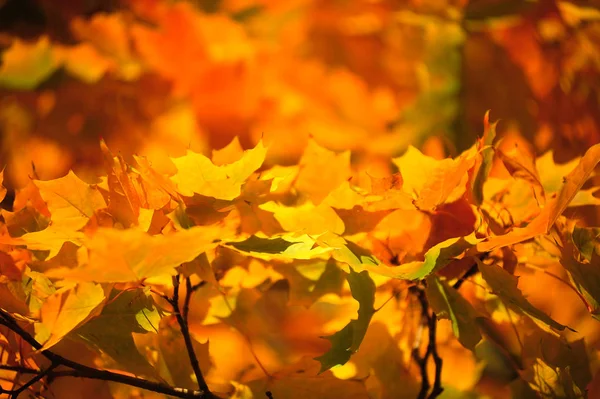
[422, 361]
[15, 393]
[470, 272]
[83, 371]
[437, 360]
[430, 320]
[183, 326]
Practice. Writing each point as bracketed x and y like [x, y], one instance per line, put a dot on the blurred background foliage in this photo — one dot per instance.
[372, 76]
[158, 77]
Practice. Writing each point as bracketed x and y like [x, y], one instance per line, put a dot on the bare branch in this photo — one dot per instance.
[183, 326]
[83, 371]
[428, 319]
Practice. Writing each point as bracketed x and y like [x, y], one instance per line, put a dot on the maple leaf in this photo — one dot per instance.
[433, 182]
[197, 174]
[71, 201]
[134, 256]
[111, 331]
[123, 199]
[321, 171]
[306, 218]
[504, 285]
[66, 309]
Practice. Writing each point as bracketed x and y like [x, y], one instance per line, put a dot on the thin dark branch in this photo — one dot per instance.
[183, 326]
[15, 393]
[422, 360]
[437, 360]
[83, 371]
[470, 272]
[428, 319]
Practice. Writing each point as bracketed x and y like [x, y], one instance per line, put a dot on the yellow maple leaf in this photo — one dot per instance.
[306, 218]
[71, 201]
[198, 174]
[66, 309]
[321, 171]
[434, 182]
[134, 256]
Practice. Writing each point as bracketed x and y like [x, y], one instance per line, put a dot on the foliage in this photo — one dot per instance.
[202, 199]
[106, 279]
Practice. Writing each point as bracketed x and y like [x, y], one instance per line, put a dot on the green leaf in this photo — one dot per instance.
[263, 245]
[586, 240]
[448, 303]
[347, 341]
[127, 312]
[308, 282]
[585, 278]
[26, 65]
[285, 247]
[359, 258]
[504, 285]
[436, 258]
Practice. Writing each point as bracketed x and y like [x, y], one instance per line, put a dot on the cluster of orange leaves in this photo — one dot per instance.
[85, 265]
[330, 243]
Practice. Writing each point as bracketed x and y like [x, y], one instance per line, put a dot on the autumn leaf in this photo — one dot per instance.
[306, 218]
[125, 313]
[304, 376]
[487, 156]
[321, 171]
[173, 351]
[572, 183]
[71, 201]
[505, 286]
[134, 256]
[347, 341]
[433, 182]
[123, 200]
[197, 174]
[65, 310]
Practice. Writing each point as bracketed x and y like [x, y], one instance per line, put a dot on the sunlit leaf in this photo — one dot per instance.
[505, 286]
[133, 256]
[197, 174]
[433, 182]
[66, 309]
[70, 201]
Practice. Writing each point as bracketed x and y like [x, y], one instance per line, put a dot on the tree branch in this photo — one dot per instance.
[183, 326]
[429, 320]
[83, 371]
